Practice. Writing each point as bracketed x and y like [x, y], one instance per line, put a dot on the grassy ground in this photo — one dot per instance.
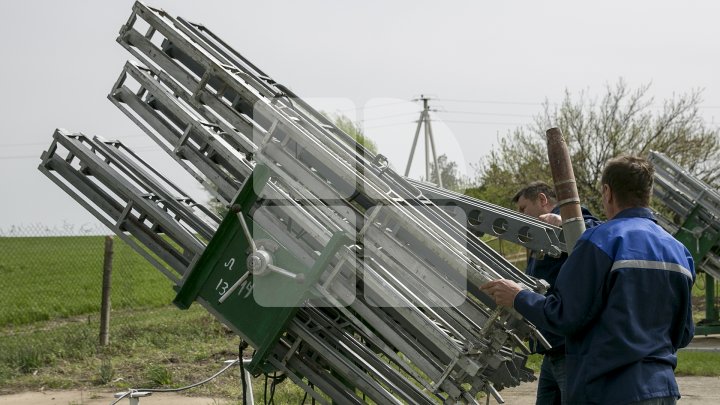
[159, 348]
[49, 325]
[155, 347]
[55, 277]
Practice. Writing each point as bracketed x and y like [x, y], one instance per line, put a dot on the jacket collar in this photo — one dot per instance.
[636, 212]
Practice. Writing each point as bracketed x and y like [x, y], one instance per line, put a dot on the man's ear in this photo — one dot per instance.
[543, 199]
[609, 193]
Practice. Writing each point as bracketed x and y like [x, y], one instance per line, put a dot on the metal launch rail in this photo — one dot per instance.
[695, 207]
[349, 278]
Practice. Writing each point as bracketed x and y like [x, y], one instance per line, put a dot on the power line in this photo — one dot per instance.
[485, 113]
[484, 122]
[455, 100]
[471, 101]
[451, 112]
[391, 125]
[443, 121]
[391, 116]
[375, 106]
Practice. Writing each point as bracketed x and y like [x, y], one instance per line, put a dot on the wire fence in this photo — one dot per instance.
[51, 322]
[50, 273]
[56, 272]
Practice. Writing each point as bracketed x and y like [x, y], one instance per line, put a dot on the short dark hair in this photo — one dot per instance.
[631, 179]
[532, 190]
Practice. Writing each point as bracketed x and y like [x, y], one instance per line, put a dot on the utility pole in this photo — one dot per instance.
[429, 144]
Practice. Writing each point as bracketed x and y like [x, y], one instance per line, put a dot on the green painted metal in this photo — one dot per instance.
[223, 263]
[705, 329]
[699, 240]
[710, 310]
[696, 236]
[711, 324]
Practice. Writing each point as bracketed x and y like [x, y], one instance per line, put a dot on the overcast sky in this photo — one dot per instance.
[487, 67]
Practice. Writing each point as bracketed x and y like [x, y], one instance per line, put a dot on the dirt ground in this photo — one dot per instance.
[695, 391]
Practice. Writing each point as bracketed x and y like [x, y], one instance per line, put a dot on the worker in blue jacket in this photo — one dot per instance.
[622, 299]
[538, 199]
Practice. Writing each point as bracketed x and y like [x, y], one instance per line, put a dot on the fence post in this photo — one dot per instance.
[105, 304]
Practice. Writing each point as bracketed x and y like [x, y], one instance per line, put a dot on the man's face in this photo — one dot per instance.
[534, 208]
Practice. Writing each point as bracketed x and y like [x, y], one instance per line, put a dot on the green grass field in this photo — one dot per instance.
[49, 277]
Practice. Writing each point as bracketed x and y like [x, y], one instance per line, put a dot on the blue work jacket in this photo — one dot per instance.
[623, 302]
[547, 268]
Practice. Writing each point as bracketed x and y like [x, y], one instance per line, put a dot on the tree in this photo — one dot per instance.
[449, 173]
[623, 121]
[498, 185]
[353, 129]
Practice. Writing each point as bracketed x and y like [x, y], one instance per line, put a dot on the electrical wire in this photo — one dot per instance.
[265, 392]
[390, 125]
[312, 387]
[518, 124]
[272, 390]
[391, 116]
[376, 106]
[484, 113]
[483, 122]
[275, 381]
[455, 100]
[212, 377]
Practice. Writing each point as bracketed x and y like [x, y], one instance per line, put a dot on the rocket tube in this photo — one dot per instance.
[565, 187]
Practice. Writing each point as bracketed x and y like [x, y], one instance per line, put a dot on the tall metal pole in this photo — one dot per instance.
[412, 149]
[434, 154]
[429, 145]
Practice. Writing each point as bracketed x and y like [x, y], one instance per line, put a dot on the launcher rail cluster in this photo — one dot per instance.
[351, 280]
[695, 207]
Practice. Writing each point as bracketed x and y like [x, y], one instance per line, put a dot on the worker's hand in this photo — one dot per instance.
[502, 291]
[552, 219]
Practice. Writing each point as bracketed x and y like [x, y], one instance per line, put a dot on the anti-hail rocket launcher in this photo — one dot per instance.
[341, 274]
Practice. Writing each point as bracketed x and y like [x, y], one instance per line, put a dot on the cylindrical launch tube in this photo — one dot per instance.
[565, 187]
